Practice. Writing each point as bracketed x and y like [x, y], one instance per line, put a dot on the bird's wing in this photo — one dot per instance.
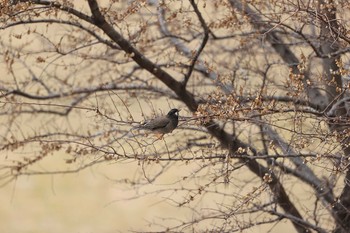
[157, 123]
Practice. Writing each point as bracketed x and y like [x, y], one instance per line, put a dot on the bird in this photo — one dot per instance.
[163, 124]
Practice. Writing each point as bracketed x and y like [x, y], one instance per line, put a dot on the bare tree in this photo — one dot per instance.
[264, 85]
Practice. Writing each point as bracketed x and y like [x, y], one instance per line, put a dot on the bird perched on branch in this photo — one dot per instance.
[163, 124]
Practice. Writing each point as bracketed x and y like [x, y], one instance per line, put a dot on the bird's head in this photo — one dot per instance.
[173, 112]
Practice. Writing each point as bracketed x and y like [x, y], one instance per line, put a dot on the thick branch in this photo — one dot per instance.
[140, 59]
[305, 173]
[277, 188]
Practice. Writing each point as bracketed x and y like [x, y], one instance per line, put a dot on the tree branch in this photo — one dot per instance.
[139, 58]
[202, 45]
[314, 96]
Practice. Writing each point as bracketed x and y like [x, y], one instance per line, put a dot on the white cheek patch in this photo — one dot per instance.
[177, 113]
